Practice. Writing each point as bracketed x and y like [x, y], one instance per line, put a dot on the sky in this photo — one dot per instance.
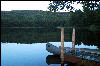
[29, 5]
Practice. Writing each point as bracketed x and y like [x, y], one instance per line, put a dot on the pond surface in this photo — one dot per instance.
[27, 47]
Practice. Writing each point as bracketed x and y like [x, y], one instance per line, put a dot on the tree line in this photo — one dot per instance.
[33, 18]
[38, 18]
[88, 18]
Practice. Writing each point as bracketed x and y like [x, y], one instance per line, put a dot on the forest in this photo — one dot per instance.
[33, 18]
[39, 18]
[88, 18]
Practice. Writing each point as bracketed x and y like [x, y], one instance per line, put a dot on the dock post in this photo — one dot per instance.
[73, 39]
[62, 46]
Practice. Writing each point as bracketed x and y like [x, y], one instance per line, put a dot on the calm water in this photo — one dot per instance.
[27, 47]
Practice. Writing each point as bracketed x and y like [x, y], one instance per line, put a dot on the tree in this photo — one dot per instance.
[87, 5]
[89, 15]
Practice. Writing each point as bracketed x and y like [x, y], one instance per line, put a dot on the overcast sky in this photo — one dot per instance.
[28, 5]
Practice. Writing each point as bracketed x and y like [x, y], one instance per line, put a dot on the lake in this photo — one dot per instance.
[27, 46]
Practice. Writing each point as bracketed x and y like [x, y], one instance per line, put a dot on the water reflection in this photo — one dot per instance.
[55, 59]
[70, 58]
[13, 54]
[35, 54]
[69, 44]
[28, 46]
[43, 35]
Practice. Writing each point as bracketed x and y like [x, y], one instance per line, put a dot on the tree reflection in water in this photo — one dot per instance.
[41, 35]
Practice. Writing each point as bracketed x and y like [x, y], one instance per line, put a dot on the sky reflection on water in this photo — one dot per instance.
[69, 44]
[13, 54]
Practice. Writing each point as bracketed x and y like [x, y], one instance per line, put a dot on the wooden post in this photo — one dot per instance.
[62, 46]
[73, 39]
